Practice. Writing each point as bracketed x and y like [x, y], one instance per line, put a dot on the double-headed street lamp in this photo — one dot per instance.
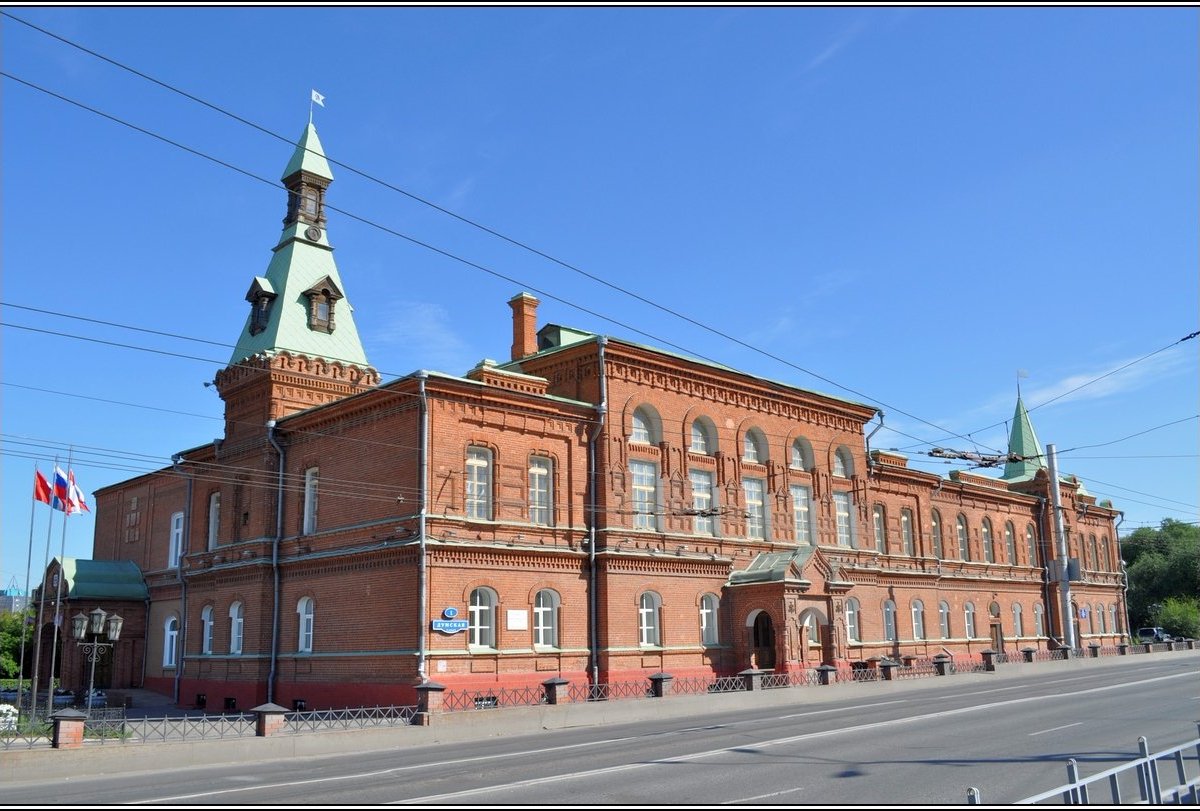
[97, 622]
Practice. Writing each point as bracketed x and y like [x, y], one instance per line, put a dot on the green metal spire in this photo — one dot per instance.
[309, 156]
[1023, 442]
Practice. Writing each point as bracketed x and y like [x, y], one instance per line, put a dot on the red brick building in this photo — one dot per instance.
[591, 508]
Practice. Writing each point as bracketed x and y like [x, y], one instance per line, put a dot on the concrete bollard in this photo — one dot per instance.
[825, 674]
[660, 684]
[888, 668]
[1027, 654]
[68, 729]
[942, 664]
[269, 719]
[555, 689]
[429, 702]
[752, 679]
[1095, 649]
[989, 660]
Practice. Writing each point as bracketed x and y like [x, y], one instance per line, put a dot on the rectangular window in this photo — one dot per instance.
[802, 513]
[841, 506]
[645, 494]
[479, 483]
[756, 514]
[214, 519]
[906, 530]
[311, 477]
[880, 521]
[175, 546]
[702, 501]
[541, 491]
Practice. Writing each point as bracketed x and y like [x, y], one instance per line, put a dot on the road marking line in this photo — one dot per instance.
[763, 796]
[1056, 729]
[839, 709]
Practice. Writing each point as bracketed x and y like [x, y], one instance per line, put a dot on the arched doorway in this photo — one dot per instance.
[762, 638]
[816, 637]
[997, 629]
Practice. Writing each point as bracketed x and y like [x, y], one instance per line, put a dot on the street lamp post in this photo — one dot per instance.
[96, 622]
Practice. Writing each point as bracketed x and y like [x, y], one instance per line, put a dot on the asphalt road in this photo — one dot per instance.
[923, 743]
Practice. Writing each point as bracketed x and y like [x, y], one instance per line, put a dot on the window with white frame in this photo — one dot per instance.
[479, 483]
[839, 463]
[969, 620]
[845, 528]
[170, 641]
[935, 527]
[1112, 618]
[906, 531]
[879, 521]
[1105, 549]
[853, 613]
[1010, 542]
[545, 619]
[989, 554]
[644, 426]
[814, 629]
[214, 519]
[756, 512]
[1039, 619]
[482, 617]
[944, 619]
[304, 613]
[649, 620]
[754, 449]
[703, 440]
[802, 513]
[1031, 546]
[645, 493]
[802, 455]
[709, 608]
[702, 501]
[889, 621]
[918, 619]
[175, 546]
[1100, 614]
[541, 491]
[206, 629]
[236, 626]
[1018, 621]
[964, 538]
[311, 479]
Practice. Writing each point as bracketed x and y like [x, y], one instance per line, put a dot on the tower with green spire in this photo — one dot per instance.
[1023, 442]
[299, 346]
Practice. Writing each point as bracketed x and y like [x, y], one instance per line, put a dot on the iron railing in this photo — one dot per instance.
[610, 692]
[493, 698]
[348, 718]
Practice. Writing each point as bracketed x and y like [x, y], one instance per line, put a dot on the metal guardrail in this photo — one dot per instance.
[1120, 781]
[348, 718]
[492, 698]
[610, 692]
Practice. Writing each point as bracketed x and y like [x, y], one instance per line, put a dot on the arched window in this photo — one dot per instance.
[754, 446]
[989, 553]
[1031, 546]
[704, 439]
[969, 620]
[649, 620]
[939, 548]
[964, 538]
[802, 455]
[944, 618]
[206, 629]
[814, 628]
[1105, 548]
[906, 531]
[541, 491]
[311, 482]
[214, 520]
[879, 520]
[843, 463]
[646, 427]
[479, 483]
[1039, 619]
[889, 621]
[482, 611]
[1018, 621]
[852, 620]
[1112, 618]
[1102, 618]
[709, 612]
[1095, 551]
[304, 609]
[236, 624]
[175, 546]
[918, 619]
[545, 619]
[1010, 543]
[170, 641]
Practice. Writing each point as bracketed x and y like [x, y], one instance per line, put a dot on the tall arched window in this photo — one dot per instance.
[964, 538]
[889, 621]
[1039, 619]
[236, 624]
[918, 619]
[1018, 621]
[304, 610]
[1105, 548]
[1010, 543]
[1031, 545]
[1095, 551]
[906, 531]
[852, 620]
[754, 446]
[709, 608]
[479, 483]
[989, 553]
[1102, 618]
[703, 437]
[843, 464]
[206, 629]
[645, 427]
[935, 530]
[170, 641]
[175, 545]
[545, 619]
[1112, 618]
[802, 455]
[944, 618]
[969, 620]
[541, 491]
[879, 521]
[482, 618]
[649, 620]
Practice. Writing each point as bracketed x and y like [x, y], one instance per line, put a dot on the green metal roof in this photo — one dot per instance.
[104, 579]
[771, 567]
[1023, 442]
[309, 156]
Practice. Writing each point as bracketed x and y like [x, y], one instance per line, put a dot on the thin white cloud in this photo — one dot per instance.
[458, 195]
[837, 46]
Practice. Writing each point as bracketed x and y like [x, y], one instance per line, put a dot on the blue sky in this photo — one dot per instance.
[906, 205]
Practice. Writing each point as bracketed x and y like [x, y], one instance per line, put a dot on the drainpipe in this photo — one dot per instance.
[875, 430]
[177, 463]
[275, 564]
[601, 414]
[1060, 531]
[1124, 575]
[1044, 531]
[423, 465]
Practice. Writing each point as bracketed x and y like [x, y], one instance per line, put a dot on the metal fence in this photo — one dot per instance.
[1051, 655]
[916, 669]
[610, 692]
[160, 730]
[348, 718]
[493, 698]
[26, 735]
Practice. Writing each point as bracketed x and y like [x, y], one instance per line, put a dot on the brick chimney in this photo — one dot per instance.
[524, 307]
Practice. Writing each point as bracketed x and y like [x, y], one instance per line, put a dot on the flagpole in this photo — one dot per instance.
[58, 591]
[37, 646]
[25, 608]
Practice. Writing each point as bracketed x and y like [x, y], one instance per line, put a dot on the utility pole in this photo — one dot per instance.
[1064, 580]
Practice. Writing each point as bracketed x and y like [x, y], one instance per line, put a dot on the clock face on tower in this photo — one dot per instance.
[313, 233]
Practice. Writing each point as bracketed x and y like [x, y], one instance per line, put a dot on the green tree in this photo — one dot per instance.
[13, 626]
[1160, 563]
[1180, 616]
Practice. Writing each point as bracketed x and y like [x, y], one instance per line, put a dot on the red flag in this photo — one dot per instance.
[41, 488]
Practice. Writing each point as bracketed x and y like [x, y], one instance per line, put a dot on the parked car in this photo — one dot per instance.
[1155, 634]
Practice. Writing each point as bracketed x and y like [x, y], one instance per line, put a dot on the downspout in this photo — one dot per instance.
[275, 564]
[1045, 531]
[1124, 576]
[423, 464]
[875, 430]
[177, 462]
[601, 414]
[1067, 613]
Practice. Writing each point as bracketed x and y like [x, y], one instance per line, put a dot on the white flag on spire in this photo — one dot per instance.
[318, 98]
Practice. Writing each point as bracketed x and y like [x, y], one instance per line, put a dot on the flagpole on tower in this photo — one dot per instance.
[37, 643]
[315, 98]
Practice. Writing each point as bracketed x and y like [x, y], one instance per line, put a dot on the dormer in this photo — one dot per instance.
[261, 297]
[322, 297]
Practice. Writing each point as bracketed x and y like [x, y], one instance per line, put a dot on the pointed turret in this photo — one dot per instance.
[301, 325]
[1023, 442]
